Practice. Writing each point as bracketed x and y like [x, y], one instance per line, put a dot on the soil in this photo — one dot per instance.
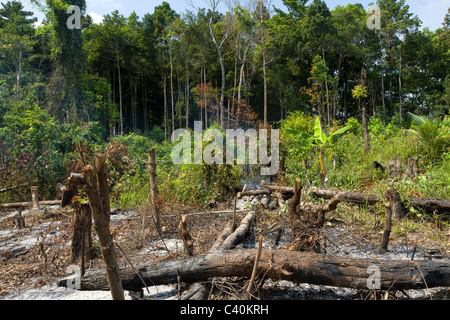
[35, 258]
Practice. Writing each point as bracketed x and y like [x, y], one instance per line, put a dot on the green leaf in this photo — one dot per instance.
[319, 136]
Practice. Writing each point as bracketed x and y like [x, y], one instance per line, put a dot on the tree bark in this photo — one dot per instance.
[387, 227]
[68, 194]
[298, 267]
[81, 232]
[154, 187]
[186, 237]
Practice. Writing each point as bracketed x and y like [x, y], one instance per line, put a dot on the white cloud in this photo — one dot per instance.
[96, 17]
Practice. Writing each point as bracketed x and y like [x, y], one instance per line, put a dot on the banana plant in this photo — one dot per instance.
[318, 139]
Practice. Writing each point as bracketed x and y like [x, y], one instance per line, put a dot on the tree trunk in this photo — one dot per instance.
[154, 188]
[172, 102]
[365, 121]
[298, 267]
[120, 94]
[222, 67]
[81, 232]
[187, 90]
[387, 226]
[186, 237]
[263, 41]
[95, 184]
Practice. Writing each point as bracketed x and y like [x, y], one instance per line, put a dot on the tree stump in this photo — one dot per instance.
[35, 198]
[395, 168]
[186, 236]
[307, 220]
[68, 194]
[412, 168]
[81, 233]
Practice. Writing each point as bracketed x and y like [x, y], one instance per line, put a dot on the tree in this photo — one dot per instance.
[65, 96]
[263, 15]
[16, 38]
[225, 31]
[396, 21]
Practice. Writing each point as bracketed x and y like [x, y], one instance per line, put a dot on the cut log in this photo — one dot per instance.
[227, 231]
[29, 204]
[239, 234]
[432, 205]
[353, 197]
[278, 188]
[298, 267]
[253, 193]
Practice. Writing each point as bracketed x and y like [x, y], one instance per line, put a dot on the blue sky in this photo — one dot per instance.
[431, 12]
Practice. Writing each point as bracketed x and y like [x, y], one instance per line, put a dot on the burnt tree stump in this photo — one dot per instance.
[81, 233]
[395, 168]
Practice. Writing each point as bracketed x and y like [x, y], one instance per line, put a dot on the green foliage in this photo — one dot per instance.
[30, 132]
[432, 134]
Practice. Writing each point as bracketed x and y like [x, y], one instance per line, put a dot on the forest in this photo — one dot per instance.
[362, 113]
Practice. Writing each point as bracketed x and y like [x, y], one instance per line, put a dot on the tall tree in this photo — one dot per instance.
[17, 34]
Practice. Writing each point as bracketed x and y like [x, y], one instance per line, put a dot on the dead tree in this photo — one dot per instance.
[307, 220]
[81, 233]
[68, 194]
[154, 188]
[94, 183]
[186, 236]
[35, 198]
[387, 221]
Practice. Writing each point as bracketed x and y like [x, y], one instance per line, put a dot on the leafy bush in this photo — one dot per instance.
[45, 146]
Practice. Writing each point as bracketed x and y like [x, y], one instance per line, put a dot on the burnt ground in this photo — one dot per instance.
[35, 258]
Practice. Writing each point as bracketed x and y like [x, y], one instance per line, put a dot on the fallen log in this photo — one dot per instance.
[14, 188]
[29, 204]
[430, 205]
[253, 193]
[298, 267]
[354, 197]
[239, 234]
